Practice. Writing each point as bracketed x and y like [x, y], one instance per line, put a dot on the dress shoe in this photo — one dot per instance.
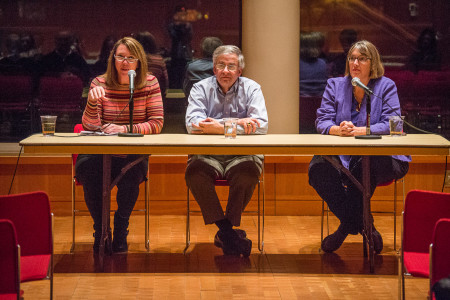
[332, 242]
[236, 244]
[218, 242]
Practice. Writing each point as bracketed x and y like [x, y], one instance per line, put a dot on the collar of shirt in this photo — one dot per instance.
[233, 90]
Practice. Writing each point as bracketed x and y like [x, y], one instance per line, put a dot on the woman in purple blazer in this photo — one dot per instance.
[343, 113]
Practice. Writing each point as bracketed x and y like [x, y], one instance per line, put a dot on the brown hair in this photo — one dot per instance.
[137, 51]
[368, 49]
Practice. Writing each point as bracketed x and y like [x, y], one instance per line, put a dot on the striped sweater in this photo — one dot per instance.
[148, 114]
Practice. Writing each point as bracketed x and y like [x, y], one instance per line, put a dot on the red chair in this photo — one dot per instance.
[31, 216]
[9, 262]
[260, 212]
[307, 113]
[77, 129]
[393, 211]
[421, 212]
[60, 95]
[439, 252]
[16, 97]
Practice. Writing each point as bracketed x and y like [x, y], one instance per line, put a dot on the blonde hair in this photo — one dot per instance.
[136, 50]
[368, 49]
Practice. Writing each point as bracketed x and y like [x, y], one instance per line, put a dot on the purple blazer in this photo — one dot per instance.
[337, 100]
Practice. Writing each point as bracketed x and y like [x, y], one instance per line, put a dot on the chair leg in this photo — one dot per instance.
[395, 215]
[261, 228]
[188, 231]
[72, 248]
[147, 215]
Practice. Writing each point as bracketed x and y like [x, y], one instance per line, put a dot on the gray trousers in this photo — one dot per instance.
[242, 173]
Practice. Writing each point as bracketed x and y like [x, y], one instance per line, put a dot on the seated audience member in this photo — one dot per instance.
[107, 109]
[201, 68]
[224, 95]
[155, 61]
[101, 64]
[337, 65]
[426, 56]
[343, 113]
[313, 70]
[65, 60]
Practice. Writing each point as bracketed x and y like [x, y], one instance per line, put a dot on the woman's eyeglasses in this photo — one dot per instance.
[361, 59]
[121, 58]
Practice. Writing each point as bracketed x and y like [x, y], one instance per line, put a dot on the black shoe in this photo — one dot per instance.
[119, 244]
[234, 244]
[332, 242]
[219, 244]
[377, 241]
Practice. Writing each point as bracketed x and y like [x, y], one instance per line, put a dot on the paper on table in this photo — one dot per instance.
[84, 132]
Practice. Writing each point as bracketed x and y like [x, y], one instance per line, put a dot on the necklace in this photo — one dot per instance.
[357, 104]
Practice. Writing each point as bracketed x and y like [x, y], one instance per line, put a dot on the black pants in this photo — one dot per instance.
[342, 197]
[89, 171]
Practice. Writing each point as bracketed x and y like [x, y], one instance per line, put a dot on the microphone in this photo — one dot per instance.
[355, 82]
[131, 75]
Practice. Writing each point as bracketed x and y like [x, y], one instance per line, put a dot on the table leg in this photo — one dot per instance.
[367, 216]
[105, 239]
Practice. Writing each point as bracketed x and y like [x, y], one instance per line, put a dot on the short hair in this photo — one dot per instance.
[229, 49]
[209, 44]
[368, 49]
[136, 49]
[147, 41]
[310, 45]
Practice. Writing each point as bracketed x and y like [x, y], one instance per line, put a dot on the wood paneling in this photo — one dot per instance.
[287, 191]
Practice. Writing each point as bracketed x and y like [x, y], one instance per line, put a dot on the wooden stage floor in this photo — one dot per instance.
[290, 268]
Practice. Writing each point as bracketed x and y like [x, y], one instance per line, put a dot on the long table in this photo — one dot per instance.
[279, 144]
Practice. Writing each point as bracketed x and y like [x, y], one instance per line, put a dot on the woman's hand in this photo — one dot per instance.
[96, 93]
[347, 128]
[113, 128]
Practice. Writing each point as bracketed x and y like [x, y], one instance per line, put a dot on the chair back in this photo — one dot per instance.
[422, 210]
[16, 93]
[60, 95]
[30, 213]
[440, 252]
[9, 259]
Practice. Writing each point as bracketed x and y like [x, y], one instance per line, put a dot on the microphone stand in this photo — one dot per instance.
[368, 111]
[131, 107]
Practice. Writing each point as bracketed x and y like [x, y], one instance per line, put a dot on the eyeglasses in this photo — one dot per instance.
[121, 58]
[361, 59]
[231, 68]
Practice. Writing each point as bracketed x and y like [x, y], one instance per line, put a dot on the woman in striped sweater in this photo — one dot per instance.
[107, 109]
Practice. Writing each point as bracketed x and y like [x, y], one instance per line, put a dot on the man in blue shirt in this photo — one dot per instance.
[226, 95]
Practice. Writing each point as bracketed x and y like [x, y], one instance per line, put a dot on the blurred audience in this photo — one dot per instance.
[21, 55]
[426, 55]
[65, 60]
[180, 31]
[313, 69]
[101, 64]
[347, 38]
[156, 64]
[201, 68]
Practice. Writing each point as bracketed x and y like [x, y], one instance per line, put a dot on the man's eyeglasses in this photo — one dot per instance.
[361, 59]
[231, 68]
[121, 58]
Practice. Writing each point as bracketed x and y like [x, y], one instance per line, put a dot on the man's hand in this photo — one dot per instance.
[249, 124]
[207, 126]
